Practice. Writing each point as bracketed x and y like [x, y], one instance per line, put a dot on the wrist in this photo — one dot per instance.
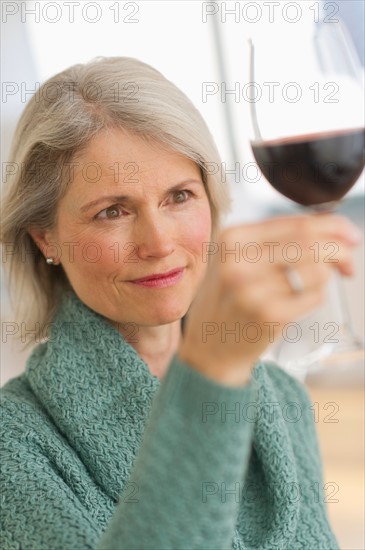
[231, 376]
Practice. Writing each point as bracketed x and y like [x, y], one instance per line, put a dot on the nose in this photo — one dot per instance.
[154, 236]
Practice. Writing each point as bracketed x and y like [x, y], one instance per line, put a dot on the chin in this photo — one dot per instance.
[165, 314]
[163, 318]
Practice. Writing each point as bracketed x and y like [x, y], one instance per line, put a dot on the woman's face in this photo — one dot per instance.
[133, 209]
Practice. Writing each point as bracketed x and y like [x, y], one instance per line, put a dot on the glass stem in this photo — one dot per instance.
[343, 302]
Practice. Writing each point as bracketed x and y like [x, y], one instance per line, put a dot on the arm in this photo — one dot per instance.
[186, 448]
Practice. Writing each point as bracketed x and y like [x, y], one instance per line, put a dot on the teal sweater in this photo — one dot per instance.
[97, 453]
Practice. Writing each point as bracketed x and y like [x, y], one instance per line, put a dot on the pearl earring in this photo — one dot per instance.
[50, 260]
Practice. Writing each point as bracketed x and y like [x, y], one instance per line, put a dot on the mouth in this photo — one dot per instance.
[159, 280]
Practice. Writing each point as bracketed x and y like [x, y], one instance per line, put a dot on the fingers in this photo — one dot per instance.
[250, 252]
[254, 298]
[316, 260]
[325, 226]
[252, 272]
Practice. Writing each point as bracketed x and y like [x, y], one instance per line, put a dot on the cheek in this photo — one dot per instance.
[94, 254]
[198, 230]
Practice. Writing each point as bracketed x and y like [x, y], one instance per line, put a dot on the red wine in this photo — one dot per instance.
[313, 169]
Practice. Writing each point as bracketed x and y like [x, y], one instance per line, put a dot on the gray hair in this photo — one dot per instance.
[62, 117]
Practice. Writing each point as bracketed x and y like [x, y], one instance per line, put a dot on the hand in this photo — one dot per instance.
[256, 293]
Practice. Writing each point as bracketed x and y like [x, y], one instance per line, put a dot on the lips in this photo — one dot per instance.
[158, 275]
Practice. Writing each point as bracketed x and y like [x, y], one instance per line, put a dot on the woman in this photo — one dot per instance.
[123, 432]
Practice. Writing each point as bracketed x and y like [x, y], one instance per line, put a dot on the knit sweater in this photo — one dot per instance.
[97, 453]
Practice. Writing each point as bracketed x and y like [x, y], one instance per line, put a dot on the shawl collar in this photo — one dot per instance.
[97, 390]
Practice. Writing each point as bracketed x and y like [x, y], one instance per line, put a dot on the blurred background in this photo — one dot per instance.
[202, 48]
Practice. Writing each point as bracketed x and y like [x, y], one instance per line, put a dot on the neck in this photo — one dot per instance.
[156, 345]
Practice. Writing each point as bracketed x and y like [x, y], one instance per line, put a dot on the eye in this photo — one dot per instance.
[184, 195]
[110, 213]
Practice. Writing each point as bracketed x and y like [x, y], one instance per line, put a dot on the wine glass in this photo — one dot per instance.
[308, 140]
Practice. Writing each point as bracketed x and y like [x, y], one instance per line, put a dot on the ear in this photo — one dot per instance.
[46, 243]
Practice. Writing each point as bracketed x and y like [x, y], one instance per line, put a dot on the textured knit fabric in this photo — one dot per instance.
[97, 453]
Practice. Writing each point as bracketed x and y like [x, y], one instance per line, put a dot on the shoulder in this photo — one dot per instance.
[23, 428]
[41, 484]
[17, 396]
[24, 419]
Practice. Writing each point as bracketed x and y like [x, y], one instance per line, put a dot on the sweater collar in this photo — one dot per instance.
[96, 388]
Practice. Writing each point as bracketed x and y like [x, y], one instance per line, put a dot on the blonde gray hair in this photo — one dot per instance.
[65, 113]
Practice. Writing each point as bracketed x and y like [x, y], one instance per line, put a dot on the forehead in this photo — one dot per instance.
[129, 168]
[115, 150]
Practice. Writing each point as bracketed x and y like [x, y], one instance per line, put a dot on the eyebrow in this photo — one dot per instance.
[127, 198]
